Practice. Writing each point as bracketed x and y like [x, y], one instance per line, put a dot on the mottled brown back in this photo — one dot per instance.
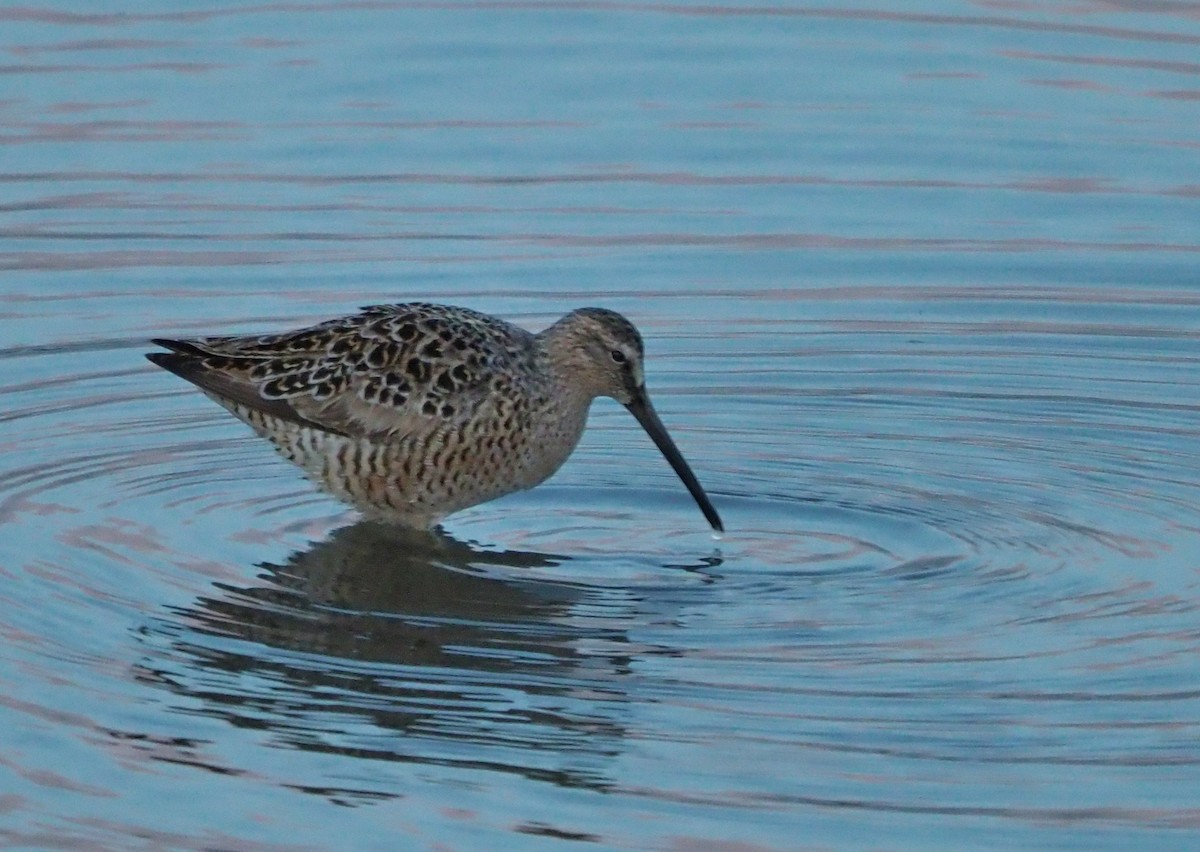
[388, 371]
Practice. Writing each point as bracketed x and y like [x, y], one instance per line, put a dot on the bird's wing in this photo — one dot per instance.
[389, 371]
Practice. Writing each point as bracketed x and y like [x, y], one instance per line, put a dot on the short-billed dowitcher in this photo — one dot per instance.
[411, 412]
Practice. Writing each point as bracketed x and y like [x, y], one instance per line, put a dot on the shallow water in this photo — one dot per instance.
[918, 283]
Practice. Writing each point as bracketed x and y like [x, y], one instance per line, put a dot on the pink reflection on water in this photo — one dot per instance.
[1083, 85]
[633, 177]
[1108, 61]
[92, 44]
[440, 124]
[113, 130]
[943, 75]
[713, 125]
[1002, 22]
[270, 43]
[71, 107]
[178, 67]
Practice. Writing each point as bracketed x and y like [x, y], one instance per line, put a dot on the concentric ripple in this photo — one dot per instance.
[940, 596]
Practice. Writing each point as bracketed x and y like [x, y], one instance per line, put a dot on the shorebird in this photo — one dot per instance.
[411, 412]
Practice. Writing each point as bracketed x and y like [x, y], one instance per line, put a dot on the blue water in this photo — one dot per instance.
[918, 284]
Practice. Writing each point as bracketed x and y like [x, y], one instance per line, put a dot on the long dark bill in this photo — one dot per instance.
[641, 408]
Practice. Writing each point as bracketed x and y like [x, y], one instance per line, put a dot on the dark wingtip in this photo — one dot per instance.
[182, 360]
[174, 362]
[183, 346]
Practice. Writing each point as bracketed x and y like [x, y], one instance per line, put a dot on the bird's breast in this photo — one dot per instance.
[556, 429]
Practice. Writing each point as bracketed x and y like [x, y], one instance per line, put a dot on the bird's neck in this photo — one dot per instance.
[565, 362]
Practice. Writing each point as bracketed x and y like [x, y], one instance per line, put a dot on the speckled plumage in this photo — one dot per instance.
[413, 411]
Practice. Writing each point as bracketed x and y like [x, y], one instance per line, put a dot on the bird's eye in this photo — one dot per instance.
[618, 356]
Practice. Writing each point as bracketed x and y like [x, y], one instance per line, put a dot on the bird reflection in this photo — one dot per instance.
[387, 643]
[380, 592]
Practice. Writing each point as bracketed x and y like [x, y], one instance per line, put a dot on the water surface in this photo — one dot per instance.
[918, 283]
